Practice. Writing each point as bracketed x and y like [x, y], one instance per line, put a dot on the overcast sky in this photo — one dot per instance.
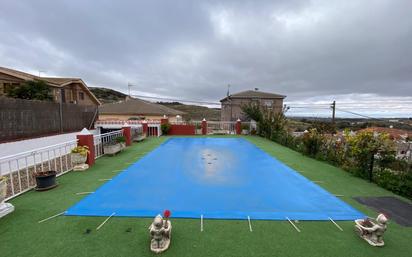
[355, 52]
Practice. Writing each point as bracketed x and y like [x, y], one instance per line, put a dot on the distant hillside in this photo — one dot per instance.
[107, 95]
[193, 112]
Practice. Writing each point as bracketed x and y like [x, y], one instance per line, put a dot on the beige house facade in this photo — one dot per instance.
[134, 108]
[231, 106]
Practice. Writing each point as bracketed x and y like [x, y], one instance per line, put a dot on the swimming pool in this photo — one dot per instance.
[219, 178]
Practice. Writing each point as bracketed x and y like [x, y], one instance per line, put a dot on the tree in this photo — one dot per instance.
[312, 141]
[31, 90]
[271, 124]
[365, 147]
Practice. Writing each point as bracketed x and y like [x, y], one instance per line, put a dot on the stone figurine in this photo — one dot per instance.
[372, 230]
[160, 233]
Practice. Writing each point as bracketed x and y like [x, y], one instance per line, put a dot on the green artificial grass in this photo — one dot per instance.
[22, 235]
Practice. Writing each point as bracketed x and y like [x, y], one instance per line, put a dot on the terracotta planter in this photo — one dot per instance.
[78, 159]
[46, 182]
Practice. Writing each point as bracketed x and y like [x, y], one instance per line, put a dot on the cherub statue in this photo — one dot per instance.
[160, 233]
[372, 232]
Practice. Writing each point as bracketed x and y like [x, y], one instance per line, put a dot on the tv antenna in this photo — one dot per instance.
[41, 71]
[129, 85]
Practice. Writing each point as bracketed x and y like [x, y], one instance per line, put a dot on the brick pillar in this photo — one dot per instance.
[127, 133]
[238, 127]
[204, 127]
[164, 120]
[145, 127]
[85, 138]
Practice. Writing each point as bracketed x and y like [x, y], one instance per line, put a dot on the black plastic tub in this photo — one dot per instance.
[46, 182]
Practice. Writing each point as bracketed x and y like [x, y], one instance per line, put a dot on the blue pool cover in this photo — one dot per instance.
[219, 178]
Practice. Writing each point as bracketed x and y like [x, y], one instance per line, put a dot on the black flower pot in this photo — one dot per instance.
[46, 182]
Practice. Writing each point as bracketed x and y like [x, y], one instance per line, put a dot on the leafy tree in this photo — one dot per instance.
[312, 142]
[324, 127]
[271, 124]
[31, 90]
[365, 147]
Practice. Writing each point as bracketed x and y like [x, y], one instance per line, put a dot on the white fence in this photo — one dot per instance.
[221, 127]
[100, 140]
[101, 123]
[154, 130]
[19, 169]
[153, 126]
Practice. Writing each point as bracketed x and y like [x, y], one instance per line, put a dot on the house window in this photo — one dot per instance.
[81, 95]
[268, 103]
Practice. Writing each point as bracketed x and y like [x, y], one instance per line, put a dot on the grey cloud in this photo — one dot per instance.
[193, 49]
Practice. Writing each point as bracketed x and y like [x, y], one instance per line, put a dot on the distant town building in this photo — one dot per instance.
[66, 90]
[402, 139]
[134, 108]
[232, 105]
[395, 134]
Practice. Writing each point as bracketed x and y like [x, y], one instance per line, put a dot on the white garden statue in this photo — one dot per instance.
[372, 230]
[160, 233]
[5, 208]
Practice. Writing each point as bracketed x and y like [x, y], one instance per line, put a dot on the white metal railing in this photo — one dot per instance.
[19, 169]
[101, 139]
[154, 130]
[221, 127]
[122, 122]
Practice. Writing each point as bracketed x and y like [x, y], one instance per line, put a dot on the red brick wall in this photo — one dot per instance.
[182, 130]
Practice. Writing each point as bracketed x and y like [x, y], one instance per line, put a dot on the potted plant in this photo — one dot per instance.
[122, 141]
[245, 129]
[45, 180]
[111, 148]
[79, 155]
[139, 137]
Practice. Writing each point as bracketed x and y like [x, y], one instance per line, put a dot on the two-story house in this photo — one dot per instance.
[232, 104]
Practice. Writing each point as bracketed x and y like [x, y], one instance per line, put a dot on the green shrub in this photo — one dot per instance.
[165, 128]
[31, 90]
[120, 139]
[397, 182]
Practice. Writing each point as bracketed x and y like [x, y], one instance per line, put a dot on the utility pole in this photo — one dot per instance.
[333, 106]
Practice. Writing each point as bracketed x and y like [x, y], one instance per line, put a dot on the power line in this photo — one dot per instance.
[358, 114]
[373, 118]
[308, 107]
